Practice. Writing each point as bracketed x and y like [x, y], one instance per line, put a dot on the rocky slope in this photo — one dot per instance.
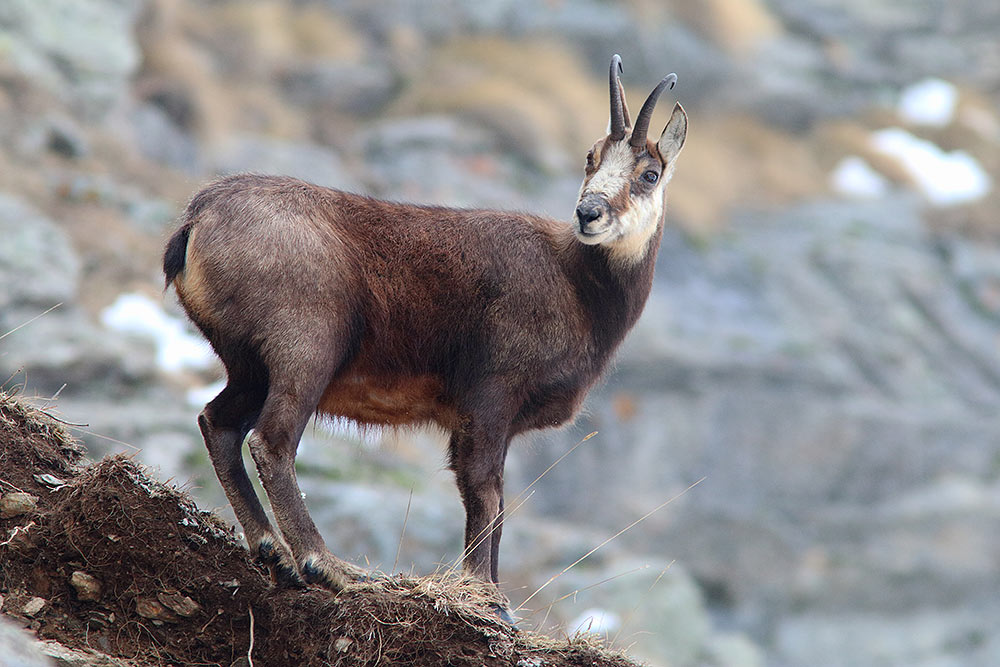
[110, 567]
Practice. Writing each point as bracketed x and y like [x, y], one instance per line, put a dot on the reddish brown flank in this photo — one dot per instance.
[486, 323]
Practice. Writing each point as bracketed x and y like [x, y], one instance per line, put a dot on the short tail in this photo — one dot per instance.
[174, 255]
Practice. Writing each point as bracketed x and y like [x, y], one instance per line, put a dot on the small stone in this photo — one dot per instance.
[33, 606]
[180, 604]
[96, 618]
[50, 481]
[154, 611]
[17, 503]
[87, 586]
[342, 645]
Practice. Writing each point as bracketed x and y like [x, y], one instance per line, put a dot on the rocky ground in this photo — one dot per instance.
[821, 347]
[107, 566]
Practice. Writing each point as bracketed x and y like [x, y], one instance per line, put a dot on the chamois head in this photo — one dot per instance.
[621, 199]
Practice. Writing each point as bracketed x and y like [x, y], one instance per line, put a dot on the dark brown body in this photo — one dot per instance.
[408, 309]
[486, 323]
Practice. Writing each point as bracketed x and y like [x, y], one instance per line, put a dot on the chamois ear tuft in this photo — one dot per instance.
[672, 139]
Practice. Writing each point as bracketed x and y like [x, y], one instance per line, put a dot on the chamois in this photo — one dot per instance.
[486, 323]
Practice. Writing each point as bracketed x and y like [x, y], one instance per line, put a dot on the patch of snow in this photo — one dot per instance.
[853, 177]
[595, 621]
[946, 179]
[176, 348]
[928, 102]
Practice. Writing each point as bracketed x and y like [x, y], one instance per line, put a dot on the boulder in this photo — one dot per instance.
[38, 264]
[82, 51]
[267, 155]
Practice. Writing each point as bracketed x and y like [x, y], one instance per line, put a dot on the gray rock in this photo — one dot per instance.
[56, 133]
[962, 637]
[361, 497]
[38, 265]
[596, 29]
[39, 269]
[16, 503]
[655, 605]
[75, 353]
[893, 42]
[19, 648]
[149, 214]
[160, 429]
[441, 19]
[160, 140]
[82, 51]
[833, 377]
[358, 88]
[63, 656]
[309, 162]
[445, 161]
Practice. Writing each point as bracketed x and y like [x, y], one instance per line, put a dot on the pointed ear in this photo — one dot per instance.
[628, 122]
[672, 139]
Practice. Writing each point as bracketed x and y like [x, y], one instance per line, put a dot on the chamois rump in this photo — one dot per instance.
[486, 323]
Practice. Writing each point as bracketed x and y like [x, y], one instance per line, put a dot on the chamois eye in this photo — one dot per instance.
[590, 159]
[650, 176]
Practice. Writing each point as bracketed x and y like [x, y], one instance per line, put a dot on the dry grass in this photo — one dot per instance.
[731, 162]
[534, 95]
[737, 26]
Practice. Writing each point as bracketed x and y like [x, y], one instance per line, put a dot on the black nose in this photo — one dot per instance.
[587, 212]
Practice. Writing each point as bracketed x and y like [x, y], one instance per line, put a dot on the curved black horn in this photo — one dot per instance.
[638, 139]
[617, 110]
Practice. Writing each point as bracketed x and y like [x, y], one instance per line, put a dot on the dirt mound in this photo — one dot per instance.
[104, 559]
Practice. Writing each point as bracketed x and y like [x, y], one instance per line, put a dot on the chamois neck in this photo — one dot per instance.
[612, 293]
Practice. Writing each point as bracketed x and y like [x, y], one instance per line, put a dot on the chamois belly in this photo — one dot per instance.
[387, 401]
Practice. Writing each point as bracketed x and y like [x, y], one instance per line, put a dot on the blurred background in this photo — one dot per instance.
[820, 349]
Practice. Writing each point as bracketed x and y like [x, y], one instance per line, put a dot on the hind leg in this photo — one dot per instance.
[291, 400]
[224, 423]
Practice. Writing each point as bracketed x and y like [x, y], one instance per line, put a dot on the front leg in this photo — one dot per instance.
[478, 462]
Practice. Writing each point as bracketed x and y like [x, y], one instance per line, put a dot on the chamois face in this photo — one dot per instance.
[622, 196]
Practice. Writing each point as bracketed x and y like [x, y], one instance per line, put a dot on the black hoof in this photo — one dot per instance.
[504, 614]
[318, 576]
[312, 574]
[284, 575]
[268, 554]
